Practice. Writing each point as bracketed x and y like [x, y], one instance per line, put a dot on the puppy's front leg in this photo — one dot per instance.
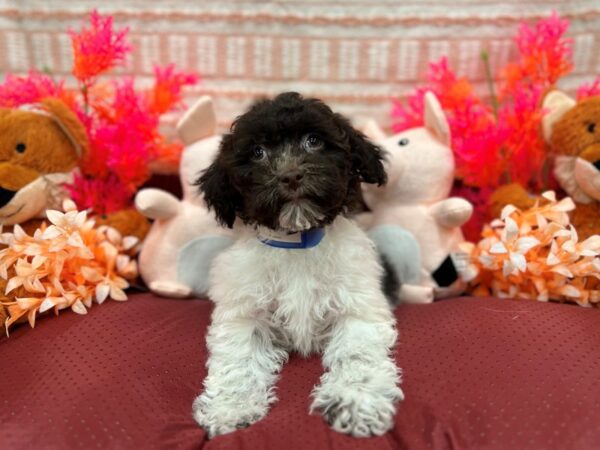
[357, 394]
[242, 367]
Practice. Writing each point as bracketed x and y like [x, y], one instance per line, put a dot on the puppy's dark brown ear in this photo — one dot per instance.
[219, 192]
[367, 158]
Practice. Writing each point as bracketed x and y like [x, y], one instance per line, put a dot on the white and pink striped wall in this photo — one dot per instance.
[354, 54]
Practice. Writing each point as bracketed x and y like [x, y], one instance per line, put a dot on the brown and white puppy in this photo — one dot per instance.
[303, 277]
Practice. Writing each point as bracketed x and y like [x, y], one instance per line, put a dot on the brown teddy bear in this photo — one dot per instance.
[572, 131]
[40, 147]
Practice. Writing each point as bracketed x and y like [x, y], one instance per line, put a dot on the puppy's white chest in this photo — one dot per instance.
[302, 308]
[301, 327]
[300, 293]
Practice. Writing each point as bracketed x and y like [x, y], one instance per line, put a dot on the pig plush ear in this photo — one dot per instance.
[435, 120]
[556, 104]
[373, 131]
[198, 122]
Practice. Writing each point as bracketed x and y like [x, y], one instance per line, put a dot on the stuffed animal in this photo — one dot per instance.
[572, 129]
[572, 132]
[414, 224]
[185, 237]
[40, 147]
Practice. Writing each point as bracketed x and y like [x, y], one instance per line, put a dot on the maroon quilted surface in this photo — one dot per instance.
[479, 373]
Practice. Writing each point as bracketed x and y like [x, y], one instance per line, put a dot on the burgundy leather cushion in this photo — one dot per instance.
[478, 373]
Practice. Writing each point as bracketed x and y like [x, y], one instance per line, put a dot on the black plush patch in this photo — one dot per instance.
[6, 196]
[446, 273]
[390, 284]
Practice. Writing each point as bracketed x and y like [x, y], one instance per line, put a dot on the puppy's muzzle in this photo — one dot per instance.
[6, 196]
[292, 179]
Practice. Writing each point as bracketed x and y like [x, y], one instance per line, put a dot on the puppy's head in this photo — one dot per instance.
[290, 164]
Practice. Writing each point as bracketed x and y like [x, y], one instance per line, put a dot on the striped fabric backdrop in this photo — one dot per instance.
[354, 54]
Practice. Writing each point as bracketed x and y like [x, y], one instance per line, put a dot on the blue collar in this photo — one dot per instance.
[303, 239]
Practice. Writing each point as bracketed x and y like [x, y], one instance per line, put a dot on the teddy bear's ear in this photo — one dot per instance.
[198, 122]
[435, 119]
[556, 104]
[69, 124]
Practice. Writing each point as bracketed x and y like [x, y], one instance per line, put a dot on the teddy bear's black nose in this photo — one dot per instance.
[597, 164]
[5, 196]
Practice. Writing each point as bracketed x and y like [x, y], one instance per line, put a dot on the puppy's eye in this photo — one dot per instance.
[591, 128]
[312, 142]
[259, 153]
[403, 142]
[20, 147]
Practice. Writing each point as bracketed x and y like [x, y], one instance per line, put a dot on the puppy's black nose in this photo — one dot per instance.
[292, 179]
[5, 196]
[597, 164]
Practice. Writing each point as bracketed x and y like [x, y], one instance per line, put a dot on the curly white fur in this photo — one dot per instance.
[270, 301]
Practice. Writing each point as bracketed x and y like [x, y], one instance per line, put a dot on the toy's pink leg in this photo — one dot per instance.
[170, 289]
[409, 293]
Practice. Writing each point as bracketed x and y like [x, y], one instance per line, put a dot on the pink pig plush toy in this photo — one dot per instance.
[413, 223]
[184, 238]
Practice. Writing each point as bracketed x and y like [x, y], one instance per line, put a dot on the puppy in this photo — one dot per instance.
[303, 277]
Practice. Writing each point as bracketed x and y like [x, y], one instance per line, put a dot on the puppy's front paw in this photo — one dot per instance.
[355, 410]
[223, 414]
